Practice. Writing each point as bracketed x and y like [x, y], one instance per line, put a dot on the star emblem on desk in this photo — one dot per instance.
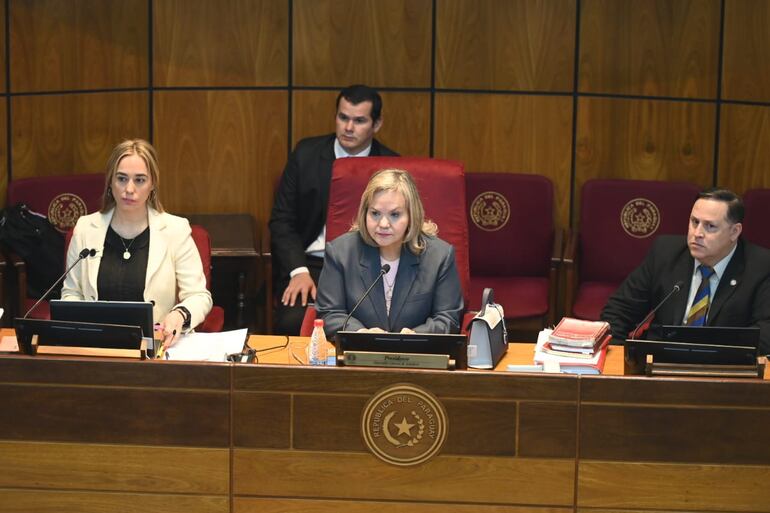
[404, 428]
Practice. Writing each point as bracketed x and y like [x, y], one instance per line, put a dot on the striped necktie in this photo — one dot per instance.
[700, 304]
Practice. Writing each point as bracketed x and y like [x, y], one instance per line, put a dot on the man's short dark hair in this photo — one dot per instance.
[358, 93]
[735, 209]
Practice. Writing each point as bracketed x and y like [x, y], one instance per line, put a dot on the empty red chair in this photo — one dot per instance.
[755, 227]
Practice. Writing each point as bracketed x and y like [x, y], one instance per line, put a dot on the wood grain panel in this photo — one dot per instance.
[77, 414]
[677, 487]
[650, 47]
[94, 371]
[220, 151]
[520, 44]
[261, 420]
[645, 140]
[82, 44]
[547, 430]
[381, 43]
[509, 134]
[443, 479]
[3, 87]
[192, 48]
[676, 434]
[3, 152]
[445, 385]
[114, 468]
[483, 428]
[255, 505]
[746, 63]
[73, 133]
[342, 412]
[744, 147]
[668, 391]
[45, 501]
[405, 116]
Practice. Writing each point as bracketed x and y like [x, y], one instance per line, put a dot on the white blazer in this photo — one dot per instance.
[174, 269]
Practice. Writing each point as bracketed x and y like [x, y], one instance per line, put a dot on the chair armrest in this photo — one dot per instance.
[20, 269]
[557, 256]
[266, 258]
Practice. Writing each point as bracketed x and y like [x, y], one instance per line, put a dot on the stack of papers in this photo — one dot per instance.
[207, 347]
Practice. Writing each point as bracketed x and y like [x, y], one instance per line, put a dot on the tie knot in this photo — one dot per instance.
[706, 271]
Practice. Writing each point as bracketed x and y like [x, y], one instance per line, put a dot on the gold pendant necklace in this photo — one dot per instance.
[126, 252]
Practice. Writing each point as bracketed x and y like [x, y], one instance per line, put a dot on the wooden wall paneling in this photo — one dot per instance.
[650, 47]
[82, 44]
[262, 420]
[3, 87]
[675, 434]
[95, 467]
[744, 147]
[405, 117]
[519, 44]
[73, 133]
[26, 501]
[259, 505]
[645, 140]
[547, 430]
[220, 151]
[151, 416]
[376, 42]
[509, 134]
[660, 486]
[746, 64]
[213, 43]
[487, 480]
[3, 151]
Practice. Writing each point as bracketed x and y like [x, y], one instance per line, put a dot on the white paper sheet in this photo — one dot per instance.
[209, 347]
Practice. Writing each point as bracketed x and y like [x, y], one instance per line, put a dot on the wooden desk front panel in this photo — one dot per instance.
[104, 436]
[678, 444]
[505, 433]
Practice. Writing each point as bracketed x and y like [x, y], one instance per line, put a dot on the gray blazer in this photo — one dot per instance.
[426, 297]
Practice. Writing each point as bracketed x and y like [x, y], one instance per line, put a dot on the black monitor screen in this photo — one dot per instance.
[132, 313]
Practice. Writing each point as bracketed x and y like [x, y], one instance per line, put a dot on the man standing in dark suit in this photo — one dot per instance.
[725, 280]
[298, 219]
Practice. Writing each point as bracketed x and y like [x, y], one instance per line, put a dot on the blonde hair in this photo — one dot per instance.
[146, 152]
[400, 181]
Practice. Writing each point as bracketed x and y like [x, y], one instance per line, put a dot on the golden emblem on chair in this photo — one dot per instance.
[640, 218]
[404, 425]
[490, 211]
[64, 211]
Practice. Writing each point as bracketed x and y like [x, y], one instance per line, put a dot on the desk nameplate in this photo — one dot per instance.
[398, 360]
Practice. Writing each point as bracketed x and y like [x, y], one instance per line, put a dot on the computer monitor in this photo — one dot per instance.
[453, 345]
[76, 334]
[718, 345]
[132, 313]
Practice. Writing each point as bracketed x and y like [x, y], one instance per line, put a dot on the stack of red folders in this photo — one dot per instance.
[578, 346]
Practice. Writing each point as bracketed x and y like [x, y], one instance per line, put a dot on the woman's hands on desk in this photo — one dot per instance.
[172, 327]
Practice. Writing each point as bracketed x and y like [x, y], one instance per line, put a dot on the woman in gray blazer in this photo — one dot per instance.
[420, 292]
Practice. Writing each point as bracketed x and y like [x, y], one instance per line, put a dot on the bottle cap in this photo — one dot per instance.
[318, 322]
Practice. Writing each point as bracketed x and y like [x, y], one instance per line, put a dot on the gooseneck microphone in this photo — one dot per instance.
[648, 317]
[85, 253]
[385, 269]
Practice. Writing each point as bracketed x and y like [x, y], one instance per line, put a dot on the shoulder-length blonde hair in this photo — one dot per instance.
[400, 181]
[146, 152]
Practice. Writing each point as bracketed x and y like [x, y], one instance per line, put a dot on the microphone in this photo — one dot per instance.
[85, 253]
[385, 269]
[648, 317]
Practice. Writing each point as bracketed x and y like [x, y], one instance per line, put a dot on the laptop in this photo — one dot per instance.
[453, 345]
[718, 345]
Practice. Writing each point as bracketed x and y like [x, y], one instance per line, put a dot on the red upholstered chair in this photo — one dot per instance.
[755, 228]
[514, 247]
[215, 320]
[619, 219]
[63, 199]
[442, 189]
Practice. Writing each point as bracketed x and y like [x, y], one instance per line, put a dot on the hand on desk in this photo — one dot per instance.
[406, 331]
[300, 285]
[171, 328]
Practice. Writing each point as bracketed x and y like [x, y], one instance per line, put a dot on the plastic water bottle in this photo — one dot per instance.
[318, 347]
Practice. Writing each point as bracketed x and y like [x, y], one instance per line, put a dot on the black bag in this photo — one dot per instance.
[487, 335]
[31, 236]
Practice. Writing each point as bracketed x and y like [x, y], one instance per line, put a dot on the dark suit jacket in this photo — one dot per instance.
[426, 297]
[741, 299]
[299, 211]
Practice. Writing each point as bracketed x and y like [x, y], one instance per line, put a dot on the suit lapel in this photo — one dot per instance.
[95, 239]
[683, 270]
[158, 246]
[407, 273]
[728, 283]
[370, 268]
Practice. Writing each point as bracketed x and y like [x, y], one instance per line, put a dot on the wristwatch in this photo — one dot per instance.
[185, 315]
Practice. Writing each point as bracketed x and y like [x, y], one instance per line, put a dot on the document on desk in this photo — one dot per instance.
[208, 347]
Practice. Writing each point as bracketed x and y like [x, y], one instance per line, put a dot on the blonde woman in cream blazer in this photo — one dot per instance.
[164, 268]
